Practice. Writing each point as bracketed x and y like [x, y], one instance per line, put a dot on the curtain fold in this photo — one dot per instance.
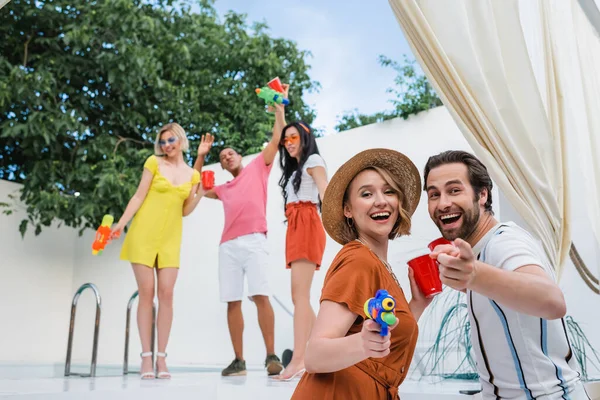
[475, 54]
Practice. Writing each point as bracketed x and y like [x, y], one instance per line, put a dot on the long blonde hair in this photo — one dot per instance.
[178, 131]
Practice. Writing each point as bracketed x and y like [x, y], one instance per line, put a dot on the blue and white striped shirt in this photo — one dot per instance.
[519, 356]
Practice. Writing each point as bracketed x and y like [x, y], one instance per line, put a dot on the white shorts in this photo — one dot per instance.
[247, 255]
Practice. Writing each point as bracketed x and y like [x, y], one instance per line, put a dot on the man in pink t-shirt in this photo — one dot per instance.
[243, 249]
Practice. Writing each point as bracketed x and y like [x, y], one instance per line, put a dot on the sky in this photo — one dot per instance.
[345, 38]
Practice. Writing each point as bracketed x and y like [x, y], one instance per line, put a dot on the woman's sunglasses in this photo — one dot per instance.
[170, 140]
[292, 139]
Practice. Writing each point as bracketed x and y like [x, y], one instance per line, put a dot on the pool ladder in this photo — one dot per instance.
[72, 328]
[127, 325]
[92, 373]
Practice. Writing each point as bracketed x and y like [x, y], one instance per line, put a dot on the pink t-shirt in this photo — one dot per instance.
[245, 200]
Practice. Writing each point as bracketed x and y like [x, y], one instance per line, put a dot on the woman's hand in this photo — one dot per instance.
[280, 107]
[286, 89]
[205, 144]
[419, 302]
[374, 345]
[200, 190]
[279, 111]
[116, 231]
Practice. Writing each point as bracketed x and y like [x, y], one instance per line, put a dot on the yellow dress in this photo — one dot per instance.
[155, 233]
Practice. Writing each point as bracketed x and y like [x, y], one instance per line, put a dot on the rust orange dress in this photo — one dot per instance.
[354, 276]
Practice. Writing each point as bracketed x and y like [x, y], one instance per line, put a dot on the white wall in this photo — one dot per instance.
[200, 334]
[35, 288]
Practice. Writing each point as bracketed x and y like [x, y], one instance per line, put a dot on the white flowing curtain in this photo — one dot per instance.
[515, 75]
[583, 51]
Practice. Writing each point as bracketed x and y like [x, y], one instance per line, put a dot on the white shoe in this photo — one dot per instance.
[164, 374]
[298, 374]
[147, 375]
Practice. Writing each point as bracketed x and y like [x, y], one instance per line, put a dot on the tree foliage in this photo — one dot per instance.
[412, 93]
[84, 87]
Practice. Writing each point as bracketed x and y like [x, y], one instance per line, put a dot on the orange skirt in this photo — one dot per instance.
[305, 238]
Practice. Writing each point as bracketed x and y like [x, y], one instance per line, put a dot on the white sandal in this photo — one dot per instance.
[298, 374]
[164, 374]
[147, 375]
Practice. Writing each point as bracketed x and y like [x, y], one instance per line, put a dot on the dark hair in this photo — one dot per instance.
[289, 164]
[235, 149]
[478, 173]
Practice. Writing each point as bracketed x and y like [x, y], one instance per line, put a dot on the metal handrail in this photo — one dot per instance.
[72, 328]
[287, 310]
[127, 325]
[287, 354]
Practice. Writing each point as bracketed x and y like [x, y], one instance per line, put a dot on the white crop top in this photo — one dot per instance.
[308, 190]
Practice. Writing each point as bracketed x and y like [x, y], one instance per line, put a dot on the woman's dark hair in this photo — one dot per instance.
[289, 164]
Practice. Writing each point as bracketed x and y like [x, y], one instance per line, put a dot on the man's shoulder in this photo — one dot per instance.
[512, 246]
[259, 162]
[510, 231]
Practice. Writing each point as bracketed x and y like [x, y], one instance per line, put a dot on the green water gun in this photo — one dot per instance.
[271, 96]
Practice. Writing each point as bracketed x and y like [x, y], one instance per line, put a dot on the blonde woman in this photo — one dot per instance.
[168, 190]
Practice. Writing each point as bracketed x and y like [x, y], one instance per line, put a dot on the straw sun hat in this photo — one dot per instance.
[397, 164]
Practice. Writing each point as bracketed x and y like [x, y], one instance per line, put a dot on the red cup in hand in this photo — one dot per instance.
[276, 85]
[438, 242]
[208, 180]
[427, 275]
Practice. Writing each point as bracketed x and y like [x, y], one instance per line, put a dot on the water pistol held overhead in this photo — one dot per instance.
[102, 235]
[271, 96]
[381, 309]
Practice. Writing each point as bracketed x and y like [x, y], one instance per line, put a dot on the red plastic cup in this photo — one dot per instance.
[427, 275]
[438, 242]
[208, 180]
[276, 85]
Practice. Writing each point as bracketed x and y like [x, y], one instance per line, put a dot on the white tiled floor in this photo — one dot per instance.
[197, 386]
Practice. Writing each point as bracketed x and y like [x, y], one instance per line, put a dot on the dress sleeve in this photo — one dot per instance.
[195, 177]
[151, 164]
[354, 279]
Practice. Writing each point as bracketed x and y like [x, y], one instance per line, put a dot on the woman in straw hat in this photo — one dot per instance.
[368, 202]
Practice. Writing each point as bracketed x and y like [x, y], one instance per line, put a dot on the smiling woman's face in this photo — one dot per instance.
[169, 143]
[372, 204]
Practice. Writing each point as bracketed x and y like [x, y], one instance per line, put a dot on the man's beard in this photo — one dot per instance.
[470, 220]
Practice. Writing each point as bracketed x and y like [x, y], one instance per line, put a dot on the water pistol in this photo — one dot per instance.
[271, 96]
[381, 309]
[102, 235]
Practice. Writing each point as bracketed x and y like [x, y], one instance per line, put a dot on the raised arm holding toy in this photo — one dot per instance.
[243, 249]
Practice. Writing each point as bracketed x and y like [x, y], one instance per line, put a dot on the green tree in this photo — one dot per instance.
[412, 92]
[85, 86]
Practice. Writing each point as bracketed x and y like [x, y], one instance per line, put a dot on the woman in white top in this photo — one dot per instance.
[303, 184]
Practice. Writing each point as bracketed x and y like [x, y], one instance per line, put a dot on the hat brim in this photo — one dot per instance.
[396, 163]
